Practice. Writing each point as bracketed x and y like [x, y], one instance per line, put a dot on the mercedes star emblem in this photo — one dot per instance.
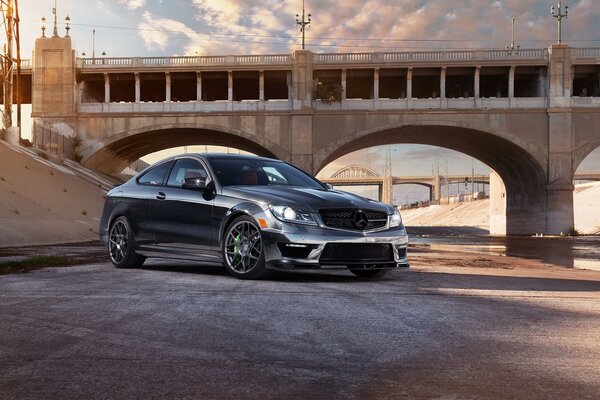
[360, 219]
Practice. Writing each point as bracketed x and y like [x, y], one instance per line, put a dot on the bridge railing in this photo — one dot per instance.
[184, 60]
[586, 52]
[425, 56]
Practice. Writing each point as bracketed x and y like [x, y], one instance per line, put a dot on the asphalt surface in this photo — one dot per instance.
[173, 330]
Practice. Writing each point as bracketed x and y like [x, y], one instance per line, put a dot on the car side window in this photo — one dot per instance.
[186, 168]
[156, 176]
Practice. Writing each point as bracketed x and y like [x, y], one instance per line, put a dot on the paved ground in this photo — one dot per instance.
[172, 330]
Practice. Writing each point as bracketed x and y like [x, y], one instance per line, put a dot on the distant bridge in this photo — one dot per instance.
[358, 175]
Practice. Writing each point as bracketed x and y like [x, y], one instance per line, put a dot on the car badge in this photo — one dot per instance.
[360, 219]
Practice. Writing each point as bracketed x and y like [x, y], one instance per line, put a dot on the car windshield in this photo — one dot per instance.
[257, 172]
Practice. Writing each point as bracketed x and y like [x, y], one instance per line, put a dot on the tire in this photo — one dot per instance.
[369, 273]
[243, 251]
[121, 249]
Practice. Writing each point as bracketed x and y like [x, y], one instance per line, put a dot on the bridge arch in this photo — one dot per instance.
[582, 152]
[355, 171]
[522, 174]
[114, 153]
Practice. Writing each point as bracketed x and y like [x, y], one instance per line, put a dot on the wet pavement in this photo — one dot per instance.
[581, 252]
[176, 330]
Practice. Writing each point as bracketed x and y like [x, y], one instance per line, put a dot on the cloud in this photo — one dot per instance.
[133, 4]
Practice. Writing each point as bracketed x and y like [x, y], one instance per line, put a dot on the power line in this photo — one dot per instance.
[290, 37]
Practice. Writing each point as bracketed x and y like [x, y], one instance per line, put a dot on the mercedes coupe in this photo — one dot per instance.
[251, 214]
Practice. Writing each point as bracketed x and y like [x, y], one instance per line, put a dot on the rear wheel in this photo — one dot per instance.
[243, 250]
[369, 273]
[121, 245]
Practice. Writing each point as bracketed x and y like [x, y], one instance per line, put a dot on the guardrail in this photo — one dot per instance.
[263, 59]
[491, 55]
[450, 55]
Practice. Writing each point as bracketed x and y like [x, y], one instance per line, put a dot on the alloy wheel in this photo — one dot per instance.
[118, 242]
[243, 247]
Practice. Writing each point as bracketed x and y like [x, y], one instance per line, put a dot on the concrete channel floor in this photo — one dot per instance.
[174, 330]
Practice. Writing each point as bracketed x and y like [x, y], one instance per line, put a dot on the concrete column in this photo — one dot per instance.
[437, 188]
[198, 86]
[561, 142]
[302, 79]
[290, 86]
[561, 79]
[409, 83]
[376, 84]
[261, 85]
[388, 190]
[343, 84]
[229, 86]
[497, 205]
[477, 82]
[106, 88]
[137, 88]
[302, 141]
[443, 83]
[167, 87]
[560, 172]
[541, 85]
[511, 82]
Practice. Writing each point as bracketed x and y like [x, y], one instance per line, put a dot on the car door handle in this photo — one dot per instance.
[161, 196]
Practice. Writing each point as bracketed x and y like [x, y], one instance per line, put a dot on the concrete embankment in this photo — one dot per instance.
[43, 202]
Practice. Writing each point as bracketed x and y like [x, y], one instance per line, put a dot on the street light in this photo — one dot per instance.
[303, 23]
[68, 28]
[559, 15]
[43, 26]
[512, 47]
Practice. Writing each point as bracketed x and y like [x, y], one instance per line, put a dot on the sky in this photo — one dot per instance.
[218, 27]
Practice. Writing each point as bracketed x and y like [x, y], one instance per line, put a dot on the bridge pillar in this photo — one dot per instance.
[198, 86]
[376, 84]
[559, 189]
[387, 193]
[409, 74]
[167, 87]
[54, 94]
[497, 205]
[106, 88]
[436, 188]
[302, 142]
[302, 79]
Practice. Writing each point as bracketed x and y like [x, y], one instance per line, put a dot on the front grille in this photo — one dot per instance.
[342, 218]
[356, 252]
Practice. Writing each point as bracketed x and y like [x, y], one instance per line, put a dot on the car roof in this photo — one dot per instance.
[210, 156]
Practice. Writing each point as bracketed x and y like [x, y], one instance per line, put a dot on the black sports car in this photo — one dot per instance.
[252, 214]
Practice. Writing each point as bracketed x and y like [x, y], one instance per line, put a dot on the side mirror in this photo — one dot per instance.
[194, 183]
[329, 186]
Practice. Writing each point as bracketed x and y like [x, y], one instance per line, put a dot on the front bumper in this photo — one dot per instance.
[301, 247]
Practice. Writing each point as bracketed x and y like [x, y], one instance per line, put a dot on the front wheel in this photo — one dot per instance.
[243, 250]
[121, 245]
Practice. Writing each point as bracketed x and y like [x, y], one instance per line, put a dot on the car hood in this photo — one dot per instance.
[306, 199]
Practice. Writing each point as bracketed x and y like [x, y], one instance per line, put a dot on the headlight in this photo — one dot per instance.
[395, 219]
[289, 214]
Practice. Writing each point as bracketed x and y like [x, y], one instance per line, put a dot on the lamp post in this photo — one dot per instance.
[67, 28]
[303, 23]
[512, 47]
[43, 26]
[559, 15]
[55, 31]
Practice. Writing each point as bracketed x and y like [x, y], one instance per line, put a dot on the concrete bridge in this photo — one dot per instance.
[531, 115]
[358, 175]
